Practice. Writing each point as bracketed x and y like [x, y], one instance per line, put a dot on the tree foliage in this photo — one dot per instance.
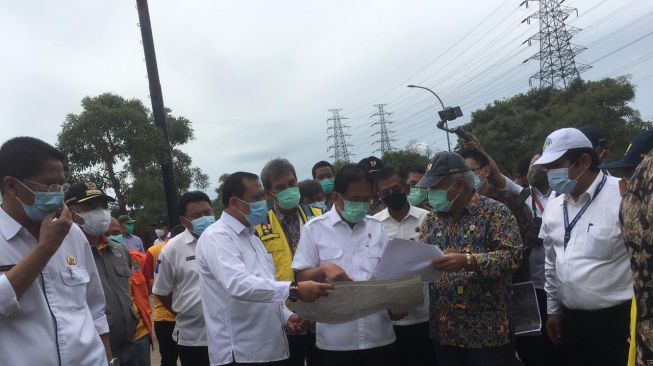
[218, 207]
[404, 159]
[514, 128]
[114, 143]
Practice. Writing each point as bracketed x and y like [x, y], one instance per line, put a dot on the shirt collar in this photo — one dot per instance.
[8, 225]
[234, 224]
[385, 213]
[589, 193]
[536, 191]
[189, 238]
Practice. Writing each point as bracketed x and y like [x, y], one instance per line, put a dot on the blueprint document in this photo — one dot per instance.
[349, 301]
[406, 258]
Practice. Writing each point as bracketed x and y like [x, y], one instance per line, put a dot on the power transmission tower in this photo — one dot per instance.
[340, 146]
[383, 132]
[557, 54]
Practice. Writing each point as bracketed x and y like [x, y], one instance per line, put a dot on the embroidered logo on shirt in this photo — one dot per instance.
[190, 258]
[71, 260]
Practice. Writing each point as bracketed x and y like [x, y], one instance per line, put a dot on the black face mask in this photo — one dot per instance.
[394, 200]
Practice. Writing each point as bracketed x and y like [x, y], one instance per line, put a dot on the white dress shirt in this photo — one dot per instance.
[537, 257]
[407, 229]
[178, 274]
[243, 303]
[512, 186]
[329, 239]
[59, 319]
[594, 271]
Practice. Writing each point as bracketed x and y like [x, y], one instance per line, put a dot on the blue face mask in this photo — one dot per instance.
[560, 182]
[258, 212]
[478, 184]
[44, 204]
[200, 224]
[321, 205]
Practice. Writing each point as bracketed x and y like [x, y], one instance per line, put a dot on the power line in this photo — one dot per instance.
[340, 146]
[384, 140]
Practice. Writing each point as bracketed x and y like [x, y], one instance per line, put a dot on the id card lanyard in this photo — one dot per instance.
[569, 226]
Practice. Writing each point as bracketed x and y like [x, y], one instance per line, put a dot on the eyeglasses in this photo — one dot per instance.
[51, 187]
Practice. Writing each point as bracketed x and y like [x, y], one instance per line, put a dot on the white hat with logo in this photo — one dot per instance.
[559, 142]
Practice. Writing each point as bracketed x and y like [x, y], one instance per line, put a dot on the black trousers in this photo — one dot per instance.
[538, 350]
[303, 349]
[193, 356]
[596, 337]
[275, 363]
[489, 356]
[414, 345]
[379, 356]
[167, 347]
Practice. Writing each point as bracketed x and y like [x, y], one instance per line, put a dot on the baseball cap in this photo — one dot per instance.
[595, 135]
[84, 192]
[161, 221]
[443, 165]
[559, 142]
[125, 218]
[371, 164]
[642, 144]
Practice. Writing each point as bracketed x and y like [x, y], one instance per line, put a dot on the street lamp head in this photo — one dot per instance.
[410, 86]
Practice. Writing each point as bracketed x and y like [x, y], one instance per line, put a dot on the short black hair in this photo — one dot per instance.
[350, 173]
[310, 188]
[388, 172]
[475, 154]
[523, 165]
[24, 157]
[188, 197]
[321, 164]
[572, 155]
[234, 186]
[420, 169]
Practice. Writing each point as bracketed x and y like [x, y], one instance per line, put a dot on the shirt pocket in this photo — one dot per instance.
[330, 255]
[74, 281]
[600, 242]
[370, 258]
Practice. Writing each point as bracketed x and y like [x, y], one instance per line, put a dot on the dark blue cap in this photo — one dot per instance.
[443, 165]
[641, 145]
[594, 134]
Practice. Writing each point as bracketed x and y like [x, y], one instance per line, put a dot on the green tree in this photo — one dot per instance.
[218, 207]
[404, 159]
[514, 128]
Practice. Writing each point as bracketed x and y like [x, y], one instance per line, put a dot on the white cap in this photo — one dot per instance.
[559, 142]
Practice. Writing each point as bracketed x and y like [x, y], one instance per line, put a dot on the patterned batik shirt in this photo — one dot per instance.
[470, 309]
[636, 217]
[291, 227]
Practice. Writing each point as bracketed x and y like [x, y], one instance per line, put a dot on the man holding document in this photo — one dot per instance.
[402, 220]
[344, 245]
[481, 243]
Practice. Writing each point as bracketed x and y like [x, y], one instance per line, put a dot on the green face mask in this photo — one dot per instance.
[354, 212]
[288, 198]
[117, 238]
[438, 199]
[327, 186]
[129, 229]
[417, 196]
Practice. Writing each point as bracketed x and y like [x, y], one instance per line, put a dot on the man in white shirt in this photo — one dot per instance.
[587, 269]
[51, 300]
[344, 245]
[177, 282]
[243, 303]
[402, 220]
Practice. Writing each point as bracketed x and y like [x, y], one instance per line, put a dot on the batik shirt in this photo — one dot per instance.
[291, 227]
[470, 309]
[636, 216]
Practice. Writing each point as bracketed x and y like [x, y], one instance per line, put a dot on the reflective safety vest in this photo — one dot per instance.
[275, 241]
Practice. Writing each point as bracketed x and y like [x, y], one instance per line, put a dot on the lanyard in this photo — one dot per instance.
[539, 204]
[570, 225]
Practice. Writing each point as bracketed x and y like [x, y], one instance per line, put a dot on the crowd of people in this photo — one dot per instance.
[76, 283]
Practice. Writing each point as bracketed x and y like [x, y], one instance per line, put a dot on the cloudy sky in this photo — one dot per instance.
[257, 78]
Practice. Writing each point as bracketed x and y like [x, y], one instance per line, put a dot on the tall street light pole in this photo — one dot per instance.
[446, 114]
[158, 111]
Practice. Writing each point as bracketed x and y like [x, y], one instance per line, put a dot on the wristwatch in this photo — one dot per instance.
[114, 362]
[293, 293]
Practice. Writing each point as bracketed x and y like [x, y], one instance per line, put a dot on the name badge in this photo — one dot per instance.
[190, 258]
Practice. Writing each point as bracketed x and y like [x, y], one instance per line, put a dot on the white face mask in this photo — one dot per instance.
[96, 222]
[159, 233]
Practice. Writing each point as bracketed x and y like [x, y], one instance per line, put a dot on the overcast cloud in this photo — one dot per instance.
[256, 78]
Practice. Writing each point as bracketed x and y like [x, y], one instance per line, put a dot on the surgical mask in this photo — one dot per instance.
[560, 182]
[478, 183]
[327, 186]
[394, 200]
[321, 205]
[44, 204]
[537, 178]
[354, 212]
[129, 229]
[200, 224]
[438, 199]
[258, 212]
[159, 233]
[288, 198]
[117, 238]
[96, 222]
[417, 196]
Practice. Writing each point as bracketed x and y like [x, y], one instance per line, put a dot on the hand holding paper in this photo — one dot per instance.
[407, 258]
